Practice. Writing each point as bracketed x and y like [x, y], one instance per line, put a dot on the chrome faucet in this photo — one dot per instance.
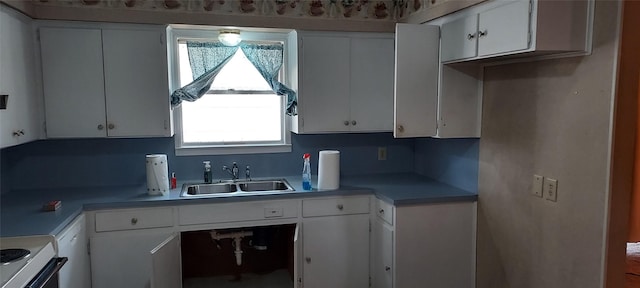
[247, 174]
[234, 171]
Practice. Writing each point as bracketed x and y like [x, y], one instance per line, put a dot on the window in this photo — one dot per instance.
[239, 114]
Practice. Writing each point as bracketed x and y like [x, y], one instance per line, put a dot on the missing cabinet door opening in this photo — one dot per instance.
[267, 256]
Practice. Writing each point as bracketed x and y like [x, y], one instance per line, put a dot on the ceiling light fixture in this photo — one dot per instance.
[229, 37]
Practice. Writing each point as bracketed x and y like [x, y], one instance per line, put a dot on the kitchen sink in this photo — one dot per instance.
[271, 186]
[200, 189]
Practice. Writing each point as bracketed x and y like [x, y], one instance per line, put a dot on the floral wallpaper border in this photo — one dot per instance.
[373, 10]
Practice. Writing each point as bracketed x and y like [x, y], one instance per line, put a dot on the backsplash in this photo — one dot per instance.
[451, 161]
[112, 162]
[109, 162]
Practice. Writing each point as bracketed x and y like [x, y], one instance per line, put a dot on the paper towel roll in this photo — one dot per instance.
[328, 170]
[157, 174]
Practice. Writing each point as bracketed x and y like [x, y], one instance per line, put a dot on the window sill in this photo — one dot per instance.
[239, 149]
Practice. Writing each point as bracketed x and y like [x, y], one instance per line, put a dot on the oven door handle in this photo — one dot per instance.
[50, 270]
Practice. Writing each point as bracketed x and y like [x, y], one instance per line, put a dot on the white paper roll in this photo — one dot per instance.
[328, 170]
[157, 174]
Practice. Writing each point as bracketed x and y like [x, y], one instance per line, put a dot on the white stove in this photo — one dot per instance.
[18, 273]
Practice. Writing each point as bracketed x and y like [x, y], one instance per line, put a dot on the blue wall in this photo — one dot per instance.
[107, 162]
[452, 161]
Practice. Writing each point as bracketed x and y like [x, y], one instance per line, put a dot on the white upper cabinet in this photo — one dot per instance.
[100, 82]
[459, 37]
[432, 99]
[372, 84]
[21, 121]
[416, 80]
[527, 27]
[324, 84]
[504, 29]
[136, 82]
[73, 82]
[345, 82]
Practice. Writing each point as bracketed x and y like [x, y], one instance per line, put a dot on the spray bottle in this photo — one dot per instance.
[306, 172]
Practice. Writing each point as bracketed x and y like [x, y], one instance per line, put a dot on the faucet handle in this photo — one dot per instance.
[224, 167]
[247, 173]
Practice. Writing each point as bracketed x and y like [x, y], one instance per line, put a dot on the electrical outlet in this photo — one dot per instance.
[537, 185]
[551, 189]
[382, 153]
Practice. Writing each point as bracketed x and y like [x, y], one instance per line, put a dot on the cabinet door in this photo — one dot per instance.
[73, 82]
[382, 268]
[167, 266]
[73, 245]
[20, 122]
[324, 96]
[416, 80]
[504, 29]
[371, 84]
[136, 83]
[336, 251]
[122, 259]
[459, 39]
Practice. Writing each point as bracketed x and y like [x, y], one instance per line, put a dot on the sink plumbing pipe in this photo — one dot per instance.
[237, 240]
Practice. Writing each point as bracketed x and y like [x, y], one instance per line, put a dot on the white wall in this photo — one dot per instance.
[550, 118]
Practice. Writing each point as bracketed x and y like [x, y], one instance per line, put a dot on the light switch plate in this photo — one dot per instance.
[537, 185]
[551, 189]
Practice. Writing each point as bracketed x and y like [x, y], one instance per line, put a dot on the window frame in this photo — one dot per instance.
[177, 33]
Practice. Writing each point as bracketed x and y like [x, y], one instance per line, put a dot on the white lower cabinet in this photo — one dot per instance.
[124, 259]
[121, 243]
[426, 245]
[336, 242]
[382, 256]
[166, 266]
[72, 243]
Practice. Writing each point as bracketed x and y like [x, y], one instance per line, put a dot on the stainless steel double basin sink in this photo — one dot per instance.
[227, 188]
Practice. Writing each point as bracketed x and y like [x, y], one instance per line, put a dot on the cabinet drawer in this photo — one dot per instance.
[134, 219]
[335, 206]
[384, 211]
[234, 212]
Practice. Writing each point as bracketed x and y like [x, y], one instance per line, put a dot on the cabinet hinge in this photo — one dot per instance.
[369, 225]
[369, 281]
[529, 39]
[88, 247]
[530, 7]
[299, 282]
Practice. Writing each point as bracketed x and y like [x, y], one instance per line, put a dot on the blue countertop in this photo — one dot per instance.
[21, 211]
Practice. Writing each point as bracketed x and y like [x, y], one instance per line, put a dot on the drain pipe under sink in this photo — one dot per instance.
[237, 240]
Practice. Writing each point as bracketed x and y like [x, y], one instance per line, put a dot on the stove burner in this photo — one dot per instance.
[11, 255]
